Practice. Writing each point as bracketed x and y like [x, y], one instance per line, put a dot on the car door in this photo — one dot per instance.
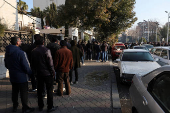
[158, 94]
[164, 59]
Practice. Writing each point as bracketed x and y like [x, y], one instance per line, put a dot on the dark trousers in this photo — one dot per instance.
[45, 81]
[71, 74]
[63, 77]
[23, 89]
[33, 82]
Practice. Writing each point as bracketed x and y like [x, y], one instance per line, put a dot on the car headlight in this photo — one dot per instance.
[125, 75]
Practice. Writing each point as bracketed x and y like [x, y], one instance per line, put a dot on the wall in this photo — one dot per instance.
[8, 13]
[3, 71]
[27, 21]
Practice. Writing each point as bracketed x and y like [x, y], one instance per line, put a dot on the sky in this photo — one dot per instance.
[153, 10]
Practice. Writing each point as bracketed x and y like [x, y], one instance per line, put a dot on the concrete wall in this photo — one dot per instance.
[27, 21]
[8, 14]
[3, 71]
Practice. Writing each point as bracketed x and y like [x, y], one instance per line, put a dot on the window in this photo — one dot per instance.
[137, 56]
[164, 54]
[158, 52]
[160, 90]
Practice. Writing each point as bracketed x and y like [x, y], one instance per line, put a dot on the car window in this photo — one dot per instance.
[153, 50]
[119, 47]
[160, 90]
[158, 52]
[164, 54]
[137, 56]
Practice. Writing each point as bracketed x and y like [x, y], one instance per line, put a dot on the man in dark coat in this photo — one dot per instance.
[17, 63]
[77, 54]
[63, 63]
[43, 68]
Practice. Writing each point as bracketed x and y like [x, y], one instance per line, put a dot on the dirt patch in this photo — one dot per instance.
[96, 78]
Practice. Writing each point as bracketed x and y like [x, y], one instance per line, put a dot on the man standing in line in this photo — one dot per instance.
[63, 63]
[42, 66]
[17, 63]
[77, 54]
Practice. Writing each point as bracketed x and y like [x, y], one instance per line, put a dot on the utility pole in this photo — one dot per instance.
[168, 27]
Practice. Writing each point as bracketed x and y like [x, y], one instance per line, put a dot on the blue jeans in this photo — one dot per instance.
[98, 56]
[82, 60]
[103, 55]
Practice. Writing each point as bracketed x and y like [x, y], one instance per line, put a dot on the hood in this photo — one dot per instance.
[140, 68]
[10, 49]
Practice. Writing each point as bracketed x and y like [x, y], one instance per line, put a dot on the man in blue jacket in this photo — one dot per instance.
[17, 63]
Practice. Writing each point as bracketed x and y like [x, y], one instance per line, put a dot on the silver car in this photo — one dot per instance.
[150, 93]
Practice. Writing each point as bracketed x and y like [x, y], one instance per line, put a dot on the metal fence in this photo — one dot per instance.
[26, 37]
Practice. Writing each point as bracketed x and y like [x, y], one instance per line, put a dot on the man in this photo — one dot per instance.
[17, 63]
[42, 67]
[63, 63]
[77, 54]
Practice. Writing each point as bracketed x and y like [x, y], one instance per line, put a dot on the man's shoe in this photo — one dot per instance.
[14, 109]
[76, 82]
[52, 109]
[29, 110]
[45, 96]
[34, 90]
[71, 83]
[40, 109]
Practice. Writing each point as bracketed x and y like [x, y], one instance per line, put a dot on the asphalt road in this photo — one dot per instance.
[124, 96]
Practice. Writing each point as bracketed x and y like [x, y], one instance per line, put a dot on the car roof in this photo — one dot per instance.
[135, 50]
[163, 47]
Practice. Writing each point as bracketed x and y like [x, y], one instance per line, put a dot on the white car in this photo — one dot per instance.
[162, 53]
[135, 61]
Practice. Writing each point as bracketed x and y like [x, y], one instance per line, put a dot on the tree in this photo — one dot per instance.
[51, 15]
[163, 32]
[108, 16]
[22, 9]
[38, 13]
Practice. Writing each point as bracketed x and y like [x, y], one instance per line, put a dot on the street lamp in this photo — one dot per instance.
[156, 31]
[168, 26]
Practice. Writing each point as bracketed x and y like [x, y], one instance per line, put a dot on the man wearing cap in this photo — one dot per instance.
[63, 62]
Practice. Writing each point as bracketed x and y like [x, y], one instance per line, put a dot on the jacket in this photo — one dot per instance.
[16, 62]
[42, 62]
[77, 54]
[63, 60]
[53, 48]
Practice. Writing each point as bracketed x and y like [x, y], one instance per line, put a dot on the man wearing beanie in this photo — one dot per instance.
[63, 62]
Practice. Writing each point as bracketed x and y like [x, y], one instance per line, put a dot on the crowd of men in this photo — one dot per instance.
[45, 65]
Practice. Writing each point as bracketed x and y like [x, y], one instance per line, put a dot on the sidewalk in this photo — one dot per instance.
[96, 92]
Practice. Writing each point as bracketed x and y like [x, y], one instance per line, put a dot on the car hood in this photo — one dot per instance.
[140, 68]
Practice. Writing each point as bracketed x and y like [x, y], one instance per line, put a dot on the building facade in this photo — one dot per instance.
[45, 3]
[8, 14]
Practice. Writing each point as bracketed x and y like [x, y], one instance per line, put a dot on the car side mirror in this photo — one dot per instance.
[156, 59]
[165, 57]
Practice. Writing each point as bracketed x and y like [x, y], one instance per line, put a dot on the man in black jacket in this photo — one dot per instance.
[42, 67]
[17, 63]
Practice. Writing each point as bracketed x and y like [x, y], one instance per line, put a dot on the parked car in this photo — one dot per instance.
[135, 61]
[116, 50]
[162, 53]
[150, 93]
[148, 46]
[140, 47]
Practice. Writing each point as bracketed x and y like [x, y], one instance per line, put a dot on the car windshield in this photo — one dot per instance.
[141, 48]
[149, 46]
[119, 47]
[137, 56]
